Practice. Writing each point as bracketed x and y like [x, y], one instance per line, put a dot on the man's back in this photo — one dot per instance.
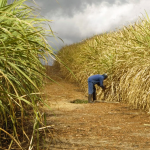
[96, 78]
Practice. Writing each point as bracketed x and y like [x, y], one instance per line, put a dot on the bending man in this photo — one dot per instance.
[92, 81]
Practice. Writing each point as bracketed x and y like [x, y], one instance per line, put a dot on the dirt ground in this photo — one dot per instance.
[96, 126]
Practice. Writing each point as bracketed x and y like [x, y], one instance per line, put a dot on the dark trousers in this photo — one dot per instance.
[92, 89]
[94, 93]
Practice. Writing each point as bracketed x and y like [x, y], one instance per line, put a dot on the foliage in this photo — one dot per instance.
[123, 54]
[22, 45]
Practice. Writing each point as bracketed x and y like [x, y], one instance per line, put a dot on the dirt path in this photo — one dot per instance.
[99, 126]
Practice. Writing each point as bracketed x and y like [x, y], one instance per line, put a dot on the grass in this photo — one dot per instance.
[22, 44]
[123, 54]
[79, 101]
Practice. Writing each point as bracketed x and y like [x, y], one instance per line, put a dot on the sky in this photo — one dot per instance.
[76, 20]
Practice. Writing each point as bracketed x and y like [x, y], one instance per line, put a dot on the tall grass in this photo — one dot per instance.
[124, 54]
[22, 44]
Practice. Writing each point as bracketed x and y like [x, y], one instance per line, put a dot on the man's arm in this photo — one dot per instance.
[101, 85]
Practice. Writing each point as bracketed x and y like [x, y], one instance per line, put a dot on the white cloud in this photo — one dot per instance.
[97, 19]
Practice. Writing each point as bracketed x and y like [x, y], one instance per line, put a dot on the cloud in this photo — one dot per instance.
[75, 20]
[71, 7]
[94, 19]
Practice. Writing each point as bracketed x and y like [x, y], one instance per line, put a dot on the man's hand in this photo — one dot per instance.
[103, 88]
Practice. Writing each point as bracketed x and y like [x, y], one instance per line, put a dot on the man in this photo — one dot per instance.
[92, 81]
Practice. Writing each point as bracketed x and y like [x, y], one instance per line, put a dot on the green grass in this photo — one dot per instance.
[79, 101]
[22, 44]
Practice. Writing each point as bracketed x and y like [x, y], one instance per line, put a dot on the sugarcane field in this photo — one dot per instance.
[94, 96]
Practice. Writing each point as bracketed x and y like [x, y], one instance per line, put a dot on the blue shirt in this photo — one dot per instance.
[96, 79]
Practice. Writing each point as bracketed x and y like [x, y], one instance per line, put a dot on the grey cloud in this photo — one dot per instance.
[70, 7]
[68, 32]
[73, 29]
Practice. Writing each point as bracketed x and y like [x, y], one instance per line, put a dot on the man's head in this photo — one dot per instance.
[105, 76]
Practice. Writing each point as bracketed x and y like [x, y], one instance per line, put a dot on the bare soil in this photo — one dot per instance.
[96, 126]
